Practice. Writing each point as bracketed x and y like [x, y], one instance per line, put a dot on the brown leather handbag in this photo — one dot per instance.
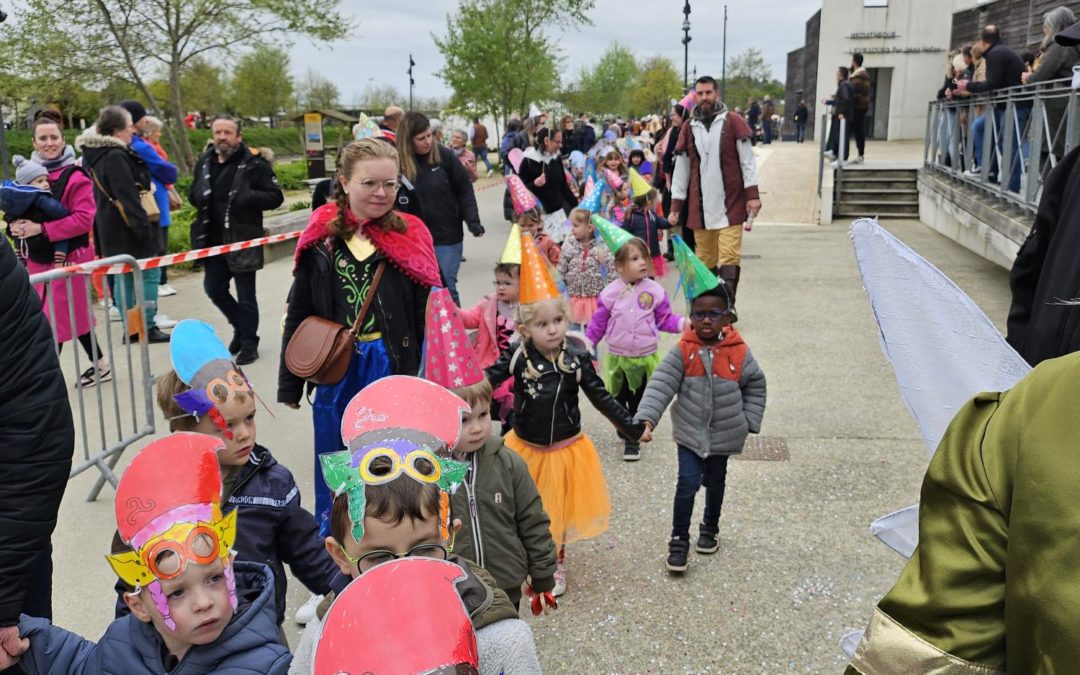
[320, 350]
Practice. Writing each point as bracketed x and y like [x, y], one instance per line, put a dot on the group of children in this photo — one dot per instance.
[207, 518]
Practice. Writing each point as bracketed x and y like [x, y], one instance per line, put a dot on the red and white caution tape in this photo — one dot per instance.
[197, 254]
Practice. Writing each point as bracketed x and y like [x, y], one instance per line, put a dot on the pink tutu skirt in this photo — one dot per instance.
[659, 264]
[582, 308]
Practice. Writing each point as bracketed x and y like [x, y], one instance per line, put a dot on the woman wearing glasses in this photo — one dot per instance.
[355, 246]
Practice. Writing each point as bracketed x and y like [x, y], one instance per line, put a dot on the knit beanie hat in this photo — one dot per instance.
[27, 170]
[137, 110]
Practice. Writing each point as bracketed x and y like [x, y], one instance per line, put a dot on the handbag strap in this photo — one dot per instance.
[362, 314]
[116, 205]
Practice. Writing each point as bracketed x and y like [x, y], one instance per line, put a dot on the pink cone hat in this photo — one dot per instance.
[613, 179]
[520, 195]
[449, 359]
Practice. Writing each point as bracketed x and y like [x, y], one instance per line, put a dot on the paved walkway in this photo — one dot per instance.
[797, 567]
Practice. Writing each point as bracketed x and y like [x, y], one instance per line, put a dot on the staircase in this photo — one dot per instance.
[865, 191]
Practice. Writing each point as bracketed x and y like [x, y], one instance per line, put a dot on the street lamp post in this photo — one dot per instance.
[723, 64]
[411, 80]
[686, 44]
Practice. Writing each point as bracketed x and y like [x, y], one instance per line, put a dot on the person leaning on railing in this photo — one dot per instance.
[1055, 63]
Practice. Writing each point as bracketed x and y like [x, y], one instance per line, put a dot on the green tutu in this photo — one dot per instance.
[635, 371]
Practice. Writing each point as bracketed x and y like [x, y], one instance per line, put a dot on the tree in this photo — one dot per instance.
[261, 83]
[749, 75]
[378, 97]
[603, 89]
[202, 87]
[498, 57]
[656, 84]
[140, 38]
[317, 93]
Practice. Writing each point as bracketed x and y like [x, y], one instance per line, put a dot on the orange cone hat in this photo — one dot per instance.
[536, 281]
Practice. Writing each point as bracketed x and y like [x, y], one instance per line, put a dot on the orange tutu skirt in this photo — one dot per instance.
[571, 485]
[582, 308]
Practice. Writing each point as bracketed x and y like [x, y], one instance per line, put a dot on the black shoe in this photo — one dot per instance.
[678, 552]
[155, 336]
[632, 451]
[707, 543]
[669, 255]
[234, 346]
[247, 355]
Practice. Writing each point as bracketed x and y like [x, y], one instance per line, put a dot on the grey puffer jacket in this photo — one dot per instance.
[721, 394]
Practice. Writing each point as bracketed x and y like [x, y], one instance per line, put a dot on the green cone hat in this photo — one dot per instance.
[613, 235]
[694, 276]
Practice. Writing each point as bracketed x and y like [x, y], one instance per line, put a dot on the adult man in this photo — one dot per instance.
[232, 186]
[37, 439]
[718, 185]
[860, 104]
[753, 116]
[392, 117]
[479, 143]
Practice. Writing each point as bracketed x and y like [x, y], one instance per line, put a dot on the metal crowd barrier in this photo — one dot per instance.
[109, 416]
[1025, 131]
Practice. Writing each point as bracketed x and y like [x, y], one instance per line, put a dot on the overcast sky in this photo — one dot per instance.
[378, 51]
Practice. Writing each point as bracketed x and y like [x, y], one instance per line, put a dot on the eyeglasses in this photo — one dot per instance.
[373, 558]
[370, 185]
[711, 315]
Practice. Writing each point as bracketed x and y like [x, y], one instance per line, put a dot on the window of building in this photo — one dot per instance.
[875, 3]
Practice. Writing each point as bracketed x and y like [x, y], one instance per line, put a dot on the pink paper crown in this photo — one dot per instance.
[449, 360]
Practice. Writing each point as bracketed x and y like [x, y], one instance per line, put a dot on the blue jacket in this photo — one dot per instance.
[273, 529]
[248, 645]
[646, 225]
[162, 173]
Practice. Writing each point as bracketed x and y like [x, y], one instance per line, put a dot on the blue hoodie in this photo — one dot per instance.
[248, 645]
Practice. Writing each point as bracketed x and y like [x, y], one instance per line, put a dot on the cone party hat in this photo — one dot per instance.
[613, 235]
[639, 187]
[519, 194]
[512, 251]
[591, 202]
[613, 179]
[449, 359]
[536, 281]
[695, 277]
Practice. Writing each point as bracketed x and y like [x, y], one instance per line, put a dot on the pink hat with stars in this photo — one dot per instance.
[449, 359]
[519, 194]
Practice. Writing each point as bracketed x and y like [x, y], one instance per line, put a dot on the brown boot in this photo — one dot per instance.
[730, 275]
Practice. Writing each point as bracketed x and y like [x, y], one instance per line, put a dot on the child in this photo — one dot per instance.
[642, 222]
[31, 198]
[639, 163]
[504, 526]
[618, 203]
[630, 313]
[582, 267]
[548, 370]
[276, 529]
[393, 501]
[193, 608]
[721, 398]
[528, 217]
[493, 320]
[613, 162]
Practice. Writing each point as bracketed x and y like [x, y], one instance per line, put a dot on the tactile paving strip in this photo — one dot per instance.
[765, 448]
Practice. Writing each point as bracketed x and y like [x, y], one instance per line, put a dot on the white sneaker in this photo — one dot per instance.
[857, 160]
[560, 577]
[834, 165]
[306, 613]
[973, 171]
[165, 290]
[163, 322]
[114, 314]
[830, 155]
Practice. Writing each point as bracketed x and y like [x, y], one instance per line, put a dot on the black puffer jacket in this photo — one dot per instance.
[121, 225]
[399, 308]
[442, 196]
[37, 436]
[252, 188]
[546, 409]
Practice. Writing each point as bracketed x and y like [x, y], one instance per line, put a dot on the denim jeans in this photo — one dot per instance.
[242, 312]
[1020, 143]
[151, 279]
[978, 132]
[481, 153]
[695, 472]
[449, 257]
[800, 131]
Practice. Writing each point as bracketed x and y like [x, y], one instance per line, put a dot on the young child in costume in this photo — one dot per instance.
[618, 202]
[719, 393]
[30, 197]
[582, 266]
[207, 393]
[493, 319]
[504, 526]
[549, 369]
[630, 313]
[529, 217]
[639, 163]
[392, 487]
[193, 608]
[613, 162]
[642, 222]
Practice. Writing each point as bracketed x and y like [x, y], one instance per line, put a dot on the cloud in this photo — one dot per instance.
[378, 51]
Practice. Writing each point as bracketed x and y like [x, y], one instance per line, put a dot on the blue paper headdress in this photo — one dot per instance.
[202, 362]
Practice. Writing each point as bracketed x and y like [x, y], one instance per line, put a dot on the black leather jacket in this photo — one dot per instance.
[546, 409]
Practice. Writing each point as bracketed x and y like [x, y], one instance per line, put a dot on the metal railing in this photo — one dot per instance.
[1005, 143]
[111, 415]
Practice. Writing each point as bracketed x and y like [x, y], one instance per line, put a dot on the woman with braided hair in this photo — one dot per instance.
[338, 259]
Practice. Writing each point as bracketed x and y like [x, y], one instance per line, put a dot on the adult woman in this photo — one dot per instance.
[459, 144]
[570, 139]
[73, 188]
[665, 153]
[337, 258]
[167, 198]
[543, 173]
[122, 226]
[439, 193]
[1056, 62]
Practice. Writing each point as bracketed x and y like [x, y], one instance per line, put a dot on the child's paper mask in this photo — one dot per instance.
[202, 362]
